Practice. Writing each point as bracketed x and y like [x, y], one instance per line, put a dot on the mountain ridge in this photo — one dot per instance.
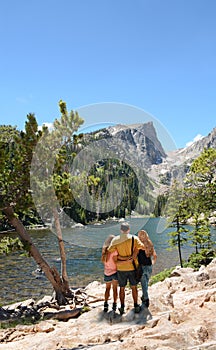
[139, 145]
[178, 162]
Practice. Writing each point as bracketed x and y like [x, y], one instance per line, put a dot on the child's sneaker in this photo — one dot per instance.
[105, 306]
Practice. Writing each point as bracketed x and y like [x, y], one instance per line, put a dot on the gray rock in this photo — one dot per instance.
[181, 316]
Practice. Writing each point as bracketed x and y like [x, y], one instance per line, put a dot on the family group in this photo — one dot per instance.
[121, 255]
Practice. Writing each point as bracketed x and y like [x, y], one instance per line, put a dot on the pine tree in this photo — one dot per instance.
[176, 212]
[200, 188]
[32, 162]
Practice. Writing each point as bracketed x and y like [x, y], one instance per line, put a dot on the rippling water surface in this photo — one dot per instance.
[19, 281]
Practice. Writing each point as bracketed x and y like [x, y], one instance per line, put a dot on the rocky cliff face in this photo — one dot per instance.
[178, 162]
[138, 145]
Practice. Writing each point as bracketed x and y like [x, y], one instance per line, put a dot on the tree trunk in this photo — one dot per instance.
[51, 273]
[64, 275]
[179, 242]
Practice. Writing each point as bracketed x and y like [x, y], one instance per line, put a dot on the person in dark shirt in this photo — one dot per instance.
[146, 259]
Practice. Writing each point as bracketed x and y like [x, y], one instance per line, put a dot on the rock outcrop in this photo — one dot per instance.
[138, 144]
[181, 315]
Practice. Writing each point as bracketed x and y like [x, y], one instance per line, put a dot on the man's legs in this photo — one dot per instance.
[115, 290]
[115, 293]
[133, 284]
[134, 294]
[122, 280]
[137, 307]
[122, 295]
[123, 277]
[122, 299]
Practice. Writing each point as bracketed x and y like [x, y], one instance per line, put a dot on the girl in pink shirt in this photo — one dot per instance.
[110, 273]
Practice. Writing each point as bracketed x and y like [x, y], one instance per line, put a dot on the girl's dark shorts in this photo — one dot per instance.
[125, 276]
[110, 278]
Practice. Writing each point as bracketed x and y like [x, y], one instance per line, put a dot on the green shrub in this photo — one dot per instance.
[8, 245]
[12, 323]
[204, 257]
[161, 276]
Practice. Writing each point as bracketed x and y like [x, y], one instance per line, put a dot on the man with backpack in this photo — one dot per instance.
[126, 272]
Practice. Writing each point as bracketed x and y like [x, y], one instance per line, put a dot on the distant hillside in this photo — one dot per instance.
[138, 145]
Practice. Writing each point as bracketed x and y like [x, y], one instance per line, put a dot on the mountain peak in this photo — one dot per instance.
[140, 134]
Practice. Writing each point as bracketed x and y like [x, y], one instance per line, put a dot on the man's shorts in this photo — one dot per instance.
[125, 276]
[110, 278]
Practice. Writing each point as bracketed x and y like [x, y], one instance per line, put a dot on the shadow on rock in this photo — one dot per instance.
[136, 318]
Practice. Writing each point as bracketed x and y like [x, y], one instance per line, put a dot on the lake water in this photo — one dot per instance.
[18, 280]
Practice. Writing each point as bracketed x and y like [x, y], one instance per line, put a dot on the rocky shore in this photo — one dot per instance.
[181, 315]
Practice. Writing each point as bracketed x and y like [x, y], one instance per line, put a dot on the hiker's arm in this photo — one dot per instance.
[111, 248]
[103, 255]
[135, 253]
[154, 257]
[122, 262]
[121, 259]
[139, 244]
[124, 258]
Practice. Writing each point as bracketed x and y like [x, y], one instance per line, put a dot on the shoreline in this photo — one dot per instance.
[212, 223]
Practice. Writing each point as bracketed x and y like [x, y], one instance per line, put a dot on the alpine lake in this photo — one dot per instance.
[21, 279]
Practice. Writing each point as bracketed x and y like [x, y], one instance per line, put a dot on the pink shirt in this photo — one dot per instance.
[110, 265]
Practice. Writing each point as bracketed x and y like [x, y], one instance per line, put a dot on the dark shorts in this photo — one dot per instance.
[125, 276]
[110, 278]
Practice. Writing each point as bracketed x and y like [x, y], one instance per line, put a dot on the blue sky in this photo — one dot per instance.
[156, 55]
